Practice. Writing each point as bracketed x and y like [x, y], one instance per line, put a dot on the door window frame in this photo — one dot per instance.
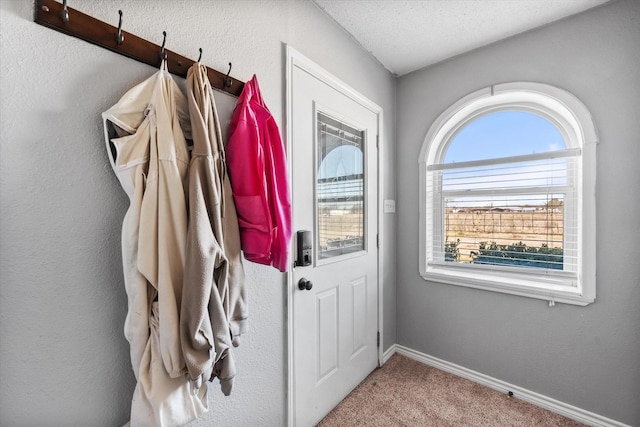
[366, 152]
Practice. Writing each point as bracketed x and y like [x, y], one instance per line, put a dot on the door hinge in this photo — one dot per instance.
[378, 339]
[377, 141]
[378, 241]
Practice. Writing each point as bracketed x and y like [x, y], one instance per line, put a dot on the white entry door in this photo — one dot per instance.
[334, 292]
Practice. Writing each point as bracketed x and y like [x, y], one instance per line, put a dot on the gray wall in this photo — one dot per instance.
[585, 356]
[64, 360]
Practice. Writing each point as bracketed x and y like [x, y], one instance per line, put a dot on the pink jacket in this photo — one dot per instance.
[256, 163]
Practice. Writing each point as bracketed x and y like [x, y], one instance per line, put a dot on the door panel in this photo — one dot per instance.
[359, 298]
[327, 333]
[334, 194]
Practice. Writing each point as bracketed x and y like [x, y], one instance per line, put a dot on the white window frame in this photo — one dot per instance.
[575, 124]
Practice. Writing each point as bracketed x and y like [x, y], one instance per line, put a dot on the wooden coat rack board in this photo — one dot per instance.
[59, 17]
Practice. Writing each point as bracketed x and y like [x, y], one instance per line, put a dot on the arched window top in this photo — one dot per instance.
[560, 108]
[503, 134]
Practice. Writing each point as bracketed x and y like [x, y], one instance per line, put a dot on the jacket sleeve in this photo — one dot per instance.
[238, 312]
[280, 201]
[204, 326]
[236, 295]
[160, 258]
[201, 251]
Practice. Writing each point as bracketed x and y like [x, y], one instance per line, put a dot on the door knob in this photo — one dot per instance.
[304, 284]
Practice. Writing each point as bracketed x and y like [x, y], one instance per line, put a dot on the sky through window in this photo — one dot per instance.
[503, 134]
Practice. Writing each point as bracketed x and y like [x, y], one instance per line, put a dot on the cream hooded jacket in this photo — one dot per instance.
[145, 134]
[214, 308]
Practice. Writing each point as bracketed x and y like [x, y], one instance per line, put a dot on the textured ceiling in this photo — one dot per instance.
[406, 35]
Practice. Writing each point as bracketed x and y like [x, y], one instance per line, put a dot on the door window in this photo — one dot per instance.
[340, 186]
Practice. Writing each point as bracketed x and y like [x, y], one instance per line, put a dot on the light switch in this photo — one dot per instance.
[389, 206]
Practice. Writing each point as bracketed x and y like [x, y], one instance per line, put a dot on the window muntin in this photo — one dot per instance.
[554, 176]
[339, 188]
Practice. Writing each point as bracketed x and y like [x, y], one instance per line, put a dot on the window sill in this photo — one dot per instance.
[554, 290]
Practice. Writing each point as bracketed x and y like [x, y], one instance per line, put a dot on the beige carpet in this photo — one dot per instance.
[408, 393]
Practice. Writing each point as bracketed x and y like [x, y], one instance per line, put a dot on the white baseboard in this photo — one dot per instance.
[537, 399]
[390, 352]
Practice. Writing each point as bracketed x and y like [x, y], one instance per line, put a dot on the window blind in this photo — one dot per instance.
[516, 212]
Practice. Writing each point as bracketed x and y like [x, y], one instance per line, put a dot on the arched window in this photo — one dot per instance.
[508, 194]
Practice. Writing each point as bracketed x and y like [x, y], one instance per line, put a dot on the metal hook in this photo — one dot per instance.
[120, 36]
[64, 15]
[227, 80]
[200, 56]
[163, 54]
